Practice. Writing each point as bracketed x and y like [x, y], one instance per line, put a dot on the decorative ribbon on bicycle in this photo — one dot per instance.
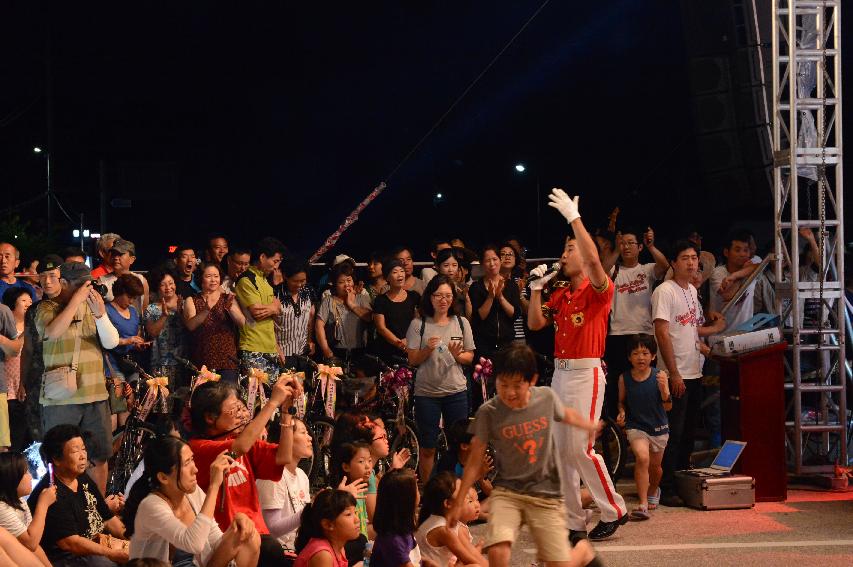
[301, 402]
[204, 376]
[157, 390]
[329, 376]
[257, 379]
[398, 381]
[483, 373]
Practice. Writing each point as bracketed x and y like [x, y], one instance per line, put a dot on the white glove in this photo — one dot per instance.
[538, 271]
[567, 206]
[539, 283]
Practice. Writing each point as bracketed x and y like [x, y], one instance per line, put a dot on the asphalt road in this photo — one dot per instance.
[810, 528]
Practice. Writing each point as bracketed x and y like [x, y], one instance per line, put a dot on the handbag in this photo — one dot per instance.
[61, 383]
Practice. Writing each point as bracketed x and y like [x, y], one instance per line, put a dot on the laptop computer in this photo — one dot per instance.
[725, 460]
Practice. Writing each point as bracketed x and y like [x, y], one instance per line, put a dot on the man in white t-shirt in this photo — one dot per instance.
[632, 305]
[678, 321]
[727, 280]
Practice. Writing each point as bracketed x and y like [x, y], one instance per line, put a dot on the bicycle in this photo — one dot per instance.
[135, 437]
[393, 404]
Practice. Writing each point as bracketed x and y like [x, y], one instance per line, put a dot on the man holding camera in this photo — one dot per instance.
[73, 327]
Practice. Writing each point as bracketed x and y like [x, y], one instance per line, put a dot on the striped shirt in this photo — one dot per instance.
[56, 353]
[13, 520]
[291, 326]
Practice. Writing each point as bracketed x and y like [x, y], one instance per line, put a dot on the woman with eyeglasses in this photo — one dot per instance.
[440, 343]
[496, 304]
[511, 270]
[221, 422]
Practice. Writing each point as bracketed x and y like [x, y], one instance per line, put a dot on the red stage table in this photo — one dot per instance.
[752, 406]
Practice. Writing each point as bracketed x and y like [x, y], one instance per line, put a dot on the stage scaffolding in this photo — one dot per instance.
[808, 194]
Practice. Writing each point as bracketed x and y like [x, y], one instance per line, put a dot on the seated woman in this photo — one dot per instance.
[167, 508]
[79, 514]
[341, 317]
[212, 318]
[221, 422]
[124, 316]
[16, 483]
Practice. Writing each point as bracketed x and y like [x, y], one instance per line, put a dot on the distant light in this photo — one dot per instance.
[95, 235]
[37, 150]
[519, 167]
[76, 233]
[86, 233]
[172, 249]
[439, 196]
[16, 236]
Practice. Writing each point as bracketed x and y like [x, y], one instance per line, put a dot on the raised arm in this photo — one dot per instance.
[568, 207]
[281, 392]
[661, 263]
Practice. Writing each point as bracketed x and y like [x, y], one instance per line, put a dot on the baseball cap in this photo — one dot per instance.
[50, 262]
[342, 258]
[120, 246]
[73, 272]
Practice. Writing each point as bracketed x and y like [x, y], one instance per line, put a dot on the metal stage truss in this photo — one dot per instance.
[808, 194]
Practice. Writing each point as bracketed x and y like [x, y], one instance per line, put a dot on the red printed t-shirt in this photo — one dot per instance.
[101, 270]
[580, 320]
[239, 489]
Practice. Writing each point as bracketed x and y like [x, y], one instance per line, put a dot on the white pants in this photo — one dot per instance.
[583, 390]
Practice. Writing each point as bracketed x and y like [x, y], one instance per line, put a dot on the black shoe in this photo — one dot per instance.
[671, 500]
[605, 530]
[576, 535]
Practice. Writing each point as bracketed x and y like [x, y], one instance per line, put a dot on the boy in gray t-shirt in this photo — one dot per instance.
[519, 422]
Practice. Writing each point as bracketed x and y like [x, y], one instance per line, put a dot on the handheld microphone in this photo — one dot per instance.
[554, 267]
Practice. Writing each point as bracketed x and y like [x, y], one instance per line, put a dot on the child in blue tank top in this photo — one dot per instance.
[644, 392]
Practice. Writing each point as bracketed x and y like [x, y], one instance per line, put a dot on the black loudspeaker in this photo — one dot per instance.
[714, 112]
[709, 75]
[719, 151]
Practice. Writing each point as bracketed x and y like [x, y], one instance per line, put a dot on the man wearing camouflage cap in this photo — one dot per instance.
[70, 310]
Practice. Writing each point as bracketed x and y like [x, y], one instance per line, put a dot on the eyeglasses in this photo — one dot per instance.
[630, 243]
[507, 254]
[444, 296]
[234, 410]
[381, 437]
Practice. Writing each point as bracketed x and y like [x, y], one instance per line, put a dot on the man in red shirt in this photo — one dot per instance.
[579, 311]
[105, 243]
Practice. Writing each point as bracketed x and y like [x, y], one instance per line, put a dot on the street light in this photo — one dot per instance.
[40, 150]
[521, 168]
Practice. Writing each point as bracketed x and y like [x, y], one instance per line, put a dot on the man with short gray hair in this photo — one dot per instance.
[105, 243]
[72, 325]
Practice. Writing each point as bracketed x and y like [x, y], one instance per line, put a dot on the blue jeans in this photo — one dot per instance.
[429, 411]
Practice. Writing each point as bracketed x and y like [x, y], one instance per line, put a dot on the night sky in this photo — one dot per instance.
[278, 119]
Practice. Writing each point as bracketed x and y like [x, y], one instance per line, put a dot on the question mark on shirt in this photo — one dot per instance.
[530, 447]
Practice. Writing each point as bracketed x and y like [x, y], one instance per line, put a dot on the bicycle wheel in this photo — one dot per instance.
[612, 445]
[319, 465]
[406, 439]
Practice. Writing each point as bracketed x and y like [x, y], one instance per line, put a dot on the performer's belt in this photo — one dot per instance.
[577, 363]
